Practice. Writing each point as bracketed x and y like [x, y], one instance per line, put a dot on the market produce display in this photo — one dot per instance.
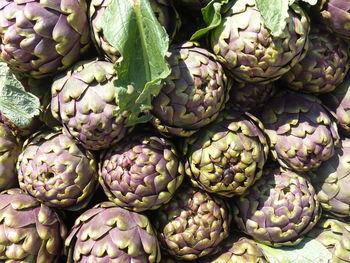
[173, 131]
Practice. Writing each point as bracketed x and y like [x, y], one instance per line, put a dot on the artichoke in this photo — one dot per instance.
[324, 66]
[30, 232]
[193, 94]
[40, 38]
[141, 173]
[84, 100]
[250, 96]
[163, 9]
[301, 131]
[228, 156]
[331, 181]
[56, 171]
[9, 149]
[237, 249]
[338, 101]
[250, 52]
[279, 209]
[335, 236]
[107, 233]
[192, 224]
[335, 14]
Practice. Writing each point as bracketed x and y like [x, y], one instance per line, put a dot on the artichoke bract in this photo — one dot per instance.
[279, 209]
[237, 249]
[10, 149]
[84, 100]
[141, 173]
[56, 171]
[335, 14]
[335, 236]
[163, 9]
[107, 233]
[192, 224]
[338, 101]
[324, 66]
[301, 131]
[30, 231]
[250, 96]
[193, 94]
[332, 179]
[228, 156]
[40, 38]
[250, 52]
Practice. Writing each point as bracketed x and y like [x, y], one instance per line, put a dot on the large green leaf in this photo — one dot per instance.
[142, 43]
[16, 104]
[307, 251]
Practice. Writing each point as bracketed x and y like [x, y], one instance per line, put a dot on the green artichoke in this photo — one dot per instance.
[247, 96]
[40, 38]
[237, 249]
[141, 173]
[9, 149]
[56, 171]
[250, 52]
[228, 156]
[301, 131]
[331, 181]
[338, 101]
[84, 100]
[193, 94]
[107, 233]
[335, 14]
[324, 66]
[30, 232]
[192, 224]
[279, 209]
[163, 9]
[335, 236]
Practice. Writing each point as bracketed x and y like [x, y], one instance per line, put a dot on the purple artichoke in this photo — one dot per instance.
[40, 38]
[107, 233]
[84, 100]
[279, 209]
[192, 224]
[142, 172]
[338, 101]
[335, 14]
[331, 181]
[248, 50]
[301, 131]
[30, 232]
[56, 171]
[228, 156]
[193, 94]
[324, 66]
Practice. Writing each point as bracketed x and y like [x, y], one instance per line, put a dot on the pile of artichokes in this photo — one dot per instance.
[242, 155]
